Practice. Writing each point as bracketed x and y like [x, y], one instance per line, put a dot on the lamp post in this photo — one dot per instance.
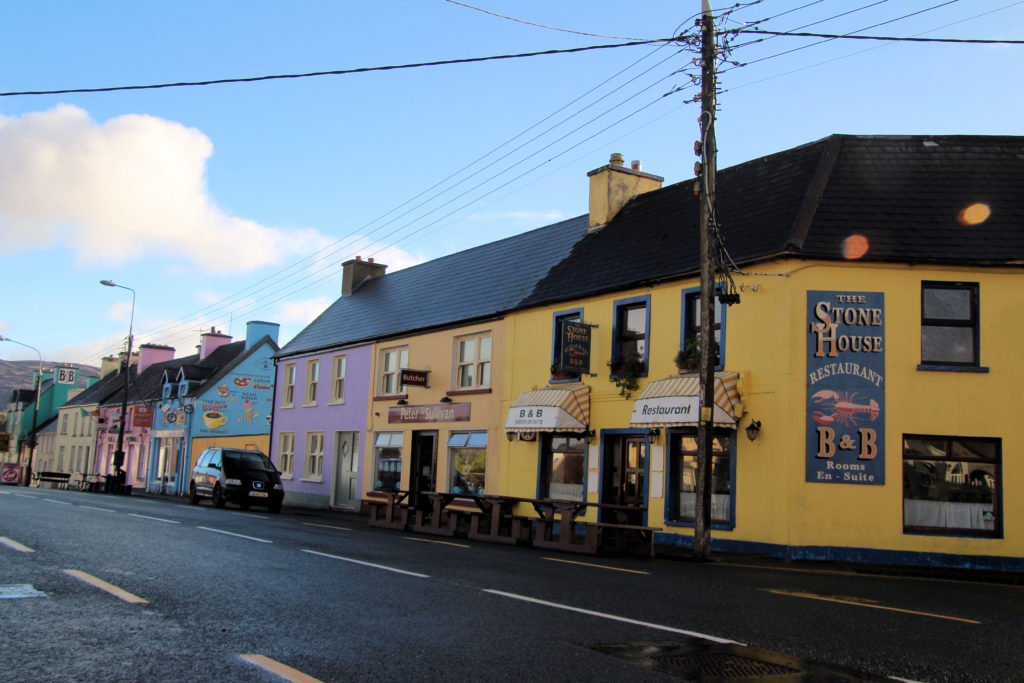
[33, 438]
[119, 452]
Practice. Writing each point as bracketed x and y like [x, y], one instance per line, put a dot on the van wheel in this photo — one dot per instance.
[218, 497]
[193, 497]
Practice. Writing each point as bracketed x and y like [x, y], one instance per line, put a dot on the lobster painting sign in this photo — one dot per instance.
[846, 387]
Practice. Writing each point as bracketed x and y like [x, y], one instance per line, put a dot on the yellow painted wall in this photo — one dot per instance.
[435, 351]
[766, 343]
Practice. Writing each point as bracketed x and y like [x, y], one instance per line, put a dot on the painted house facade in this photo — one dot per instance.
[870, 357]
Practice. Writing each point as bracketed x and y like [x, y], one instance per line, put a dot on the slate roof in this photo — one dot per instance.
[902, 193]
[473, 284]
[101, 389]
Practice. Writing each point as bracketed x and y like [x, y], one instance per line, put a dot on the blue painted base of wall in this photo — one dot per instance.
[866, 556]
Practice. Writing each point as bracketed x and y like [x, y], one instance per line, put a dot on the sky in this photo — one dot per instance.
[225, 203]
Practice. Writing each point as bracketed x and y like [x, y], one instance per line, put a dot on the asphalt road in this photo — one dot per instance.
[225, 594]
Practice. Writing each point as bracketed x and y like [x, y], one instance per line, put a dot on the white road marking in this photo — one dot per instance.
[613, 617]
[90, 507]
[155, 519]
[367, 564]
[58, 502]
[228, 533]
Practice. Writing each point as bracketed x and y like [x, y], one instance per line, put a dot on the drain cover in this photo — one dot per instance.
[20, 590]
[702, 660]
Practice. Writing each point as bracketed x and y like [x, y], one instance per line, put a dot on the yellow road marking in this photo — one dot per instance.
[430, 540]
[851, 601]
[280, 669]
[599, 566]
[327, 526]
[15, 545]
[104, 586]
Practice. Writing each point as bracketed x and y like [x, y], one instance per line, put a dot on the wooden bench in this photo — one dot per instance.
[58, 478]
[387, 509]
[615, 537]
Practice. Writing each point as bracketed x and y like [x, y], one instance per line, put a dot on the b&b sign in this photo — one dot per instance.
[67, 375]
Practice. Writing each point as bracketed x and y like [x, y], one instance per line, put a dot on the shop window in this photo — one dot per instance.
[313, 463]
[630, 335]
[473, 361]
[312, 381]
[288, 400]
[467, 452]
[387, 455]
[562, 466]
[683, 452]
[949, 323]
[952, 486]
[558, 339]
[285, 452]
[392, 361]
[691, 324]
[338, 368]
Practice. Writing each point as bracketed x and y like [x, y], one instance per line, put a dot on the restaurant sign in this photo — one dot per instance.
[414, 378]
[438, 412]
[575, 356]
[845, 387]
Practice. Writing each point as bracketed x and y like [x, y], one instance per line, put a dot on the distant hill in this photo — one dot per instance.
[18, 374]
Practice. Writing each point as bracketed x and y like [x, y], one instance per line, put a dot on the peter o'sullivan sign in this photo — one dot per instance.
[846, 387]
[437, 412]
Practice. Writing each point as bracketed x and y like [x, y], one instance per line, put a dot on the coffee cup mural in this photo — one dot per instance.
[214, 419]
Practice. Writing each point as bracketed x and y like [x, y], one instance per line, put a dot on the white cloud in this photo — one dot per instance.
[125, 190]
[537, 218]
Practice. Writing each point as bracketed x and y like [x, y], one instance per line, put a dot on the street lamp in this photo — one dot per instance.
[119, 453]
[33, 438]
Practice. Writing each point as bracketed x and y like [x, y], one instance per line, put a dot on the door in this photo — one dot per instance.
[422, 475]
[346, 466]
[624, 475]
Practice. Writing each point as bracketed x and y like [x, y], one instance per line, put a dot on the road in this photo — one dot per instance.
[136, 588]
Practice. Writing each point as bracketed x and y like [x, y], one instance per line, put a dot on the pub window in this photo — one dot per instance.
[338, 368]
[387, 455]
[473, 361]
[683, 452]
[562, 465]
[630, 333]
[392, 361]
[288, 400]
[312, 381]
[949, 323]
[952, 486]
[285, 452]
[557, 373]
[313, 463]
[691, 324]
[468, 462]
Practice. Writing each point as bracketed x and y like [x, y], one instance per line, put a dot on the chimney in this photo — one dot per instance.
[613, 185]
[255, 330]
[109, 364]
[150, 354]
[211, 341]
[356, 271]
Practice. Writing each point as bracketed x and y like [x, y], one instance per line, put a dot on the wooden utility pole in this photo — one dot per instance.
[705, 428]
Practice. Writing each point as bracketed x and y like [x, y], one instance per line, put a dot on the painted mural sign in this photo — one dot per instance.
[575, 357]
[846, 387]
[240, 403]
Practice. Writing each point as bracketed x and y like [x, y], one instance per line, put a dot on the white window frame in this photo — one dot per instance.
[286, 453]
[313, 462]
[288, 386]
[312, 381]
[339, 367]
[388, 375]
[471, 370]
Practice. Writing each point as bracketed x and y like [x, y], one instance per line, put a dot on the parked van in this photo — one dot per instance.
[239, 476]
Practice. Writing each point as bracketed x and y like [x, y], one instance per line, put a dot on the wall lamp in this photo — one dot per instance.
[654, 433]
[753, 429]
[511, 436]
[401, 402]
[446, 399]
[588, 435]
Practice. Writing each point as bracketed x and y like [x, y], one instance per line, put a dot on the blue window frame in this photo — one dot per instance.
[680, 498]
[691, 322]
[573, 315]
[631, 332]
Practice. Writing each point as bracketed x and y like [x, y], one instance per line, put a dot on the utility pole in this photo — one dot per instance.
[705, 427]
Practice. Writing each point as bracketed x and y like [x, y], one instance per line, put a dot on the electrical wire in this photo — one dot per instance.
[893, 39]
[530, 23]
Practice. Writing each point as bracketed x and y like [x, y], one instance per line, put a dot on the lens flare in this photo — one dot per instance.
[975, 214]
[855, 246]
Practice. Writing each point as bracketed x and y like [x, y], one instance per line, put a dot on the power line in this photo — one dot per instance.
[983, 41]
[531, 23]
[338, 72]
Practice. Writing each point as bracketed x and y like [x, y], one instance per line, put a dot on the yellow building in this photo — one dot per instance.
[875, 347]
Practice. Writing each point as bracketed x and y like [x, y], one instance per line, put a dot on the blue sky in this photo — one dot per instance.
[227, 203]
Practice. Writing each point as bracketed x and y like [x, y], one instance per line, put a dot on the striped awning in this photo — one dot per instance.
[675, 402]
[562, 409]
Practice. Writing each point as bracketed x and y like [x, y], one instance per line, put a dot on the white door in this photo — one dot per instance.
[346, 470]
